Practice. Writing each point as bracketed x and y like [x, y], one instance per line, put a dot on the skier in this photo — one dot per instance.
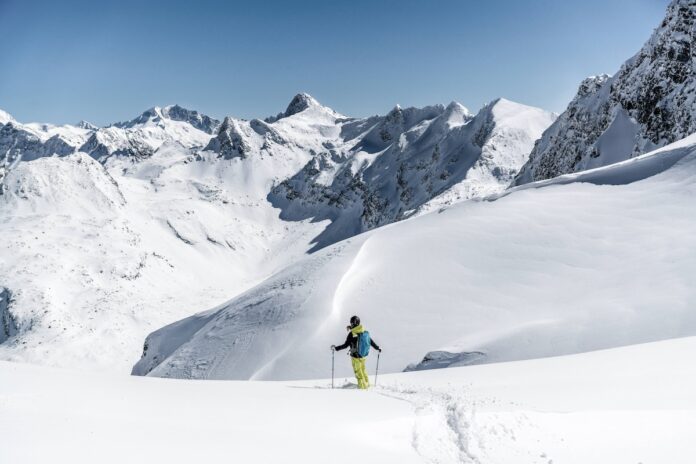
[359, 341]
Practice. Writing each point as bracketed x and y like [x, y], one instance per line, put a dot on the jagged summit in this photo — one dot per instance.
[231, 140]
[455, 106]
[299, 103]
[174, 113]
[86, 125]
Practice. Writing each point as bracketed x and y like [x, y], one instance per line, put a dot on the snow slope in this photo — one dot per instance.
[110, 233]
[631, 404]
[585, 262]
[649, 103]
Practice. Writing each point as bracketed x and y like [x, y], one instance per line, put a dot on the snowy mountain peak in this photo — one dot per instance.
[153, 114]
[456, 114]
[86, 125]
[456, 107]
[299, 103]
[5, 117]
[156, 114]
[303, 103]
[199, 121]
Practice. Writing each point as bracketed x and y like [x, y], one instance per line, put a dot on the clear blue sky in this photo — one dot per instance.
[104, 61]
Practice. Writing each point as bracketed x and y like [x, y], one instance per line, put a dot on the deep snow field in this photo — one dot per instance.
[625, 405]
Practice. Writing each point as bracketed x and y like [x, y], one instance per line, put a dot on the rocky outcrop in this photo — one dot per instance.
[230, 141]
[18, 143]
[8, 325]
[649, 103]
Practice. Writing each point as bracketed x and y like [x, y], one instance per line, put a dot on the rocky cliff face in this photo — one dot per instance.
[649, 103]
[8, 325]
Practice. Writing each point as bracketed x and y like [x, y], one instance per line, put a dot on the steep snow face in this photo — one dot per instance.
[386, 169]
[649, 103]
[587, 261]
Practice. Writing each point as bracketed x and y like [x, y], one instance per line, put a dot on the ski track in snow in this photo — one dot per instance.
[443, 429]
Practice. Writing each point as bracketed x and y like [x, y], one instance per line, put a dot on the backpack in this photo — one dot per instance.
[363, 344]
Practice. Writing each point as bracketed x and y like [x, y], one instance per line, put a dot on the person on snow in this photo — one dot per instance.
[359, 341]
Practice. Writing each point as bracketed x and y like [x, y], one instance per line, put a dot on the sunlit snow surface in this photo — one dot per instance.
[619, 406]
[590, 261]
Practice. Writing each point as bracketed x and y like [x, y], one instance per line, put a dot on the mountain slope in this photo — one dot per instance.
[113, 232]
[649, 103]
[584, 262]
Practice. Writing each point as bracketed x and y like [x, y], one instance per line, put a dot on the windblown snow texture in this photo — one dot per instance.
[649, 103]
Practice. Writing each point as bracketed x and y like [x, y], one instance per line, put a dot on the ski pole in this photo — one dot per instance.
[333, 356]
[377, 370]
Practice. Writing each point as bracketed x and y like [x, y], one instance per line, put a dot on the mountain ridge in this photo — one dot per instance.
[115, 231]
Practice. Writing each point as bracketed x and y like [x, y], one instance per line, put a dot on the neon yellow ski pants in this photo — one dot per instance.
[360, 372]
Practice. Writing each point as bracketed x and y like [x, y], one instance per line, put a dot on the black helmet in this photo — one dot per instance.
[354, 321]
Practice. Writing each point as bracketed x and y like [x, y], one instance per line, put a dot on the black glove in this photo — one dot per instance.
[379, 349]
[333, 347]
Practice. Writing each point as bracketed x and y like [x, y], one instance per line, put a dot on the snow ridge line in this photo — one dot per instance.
[443, 431]
[336, 304]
